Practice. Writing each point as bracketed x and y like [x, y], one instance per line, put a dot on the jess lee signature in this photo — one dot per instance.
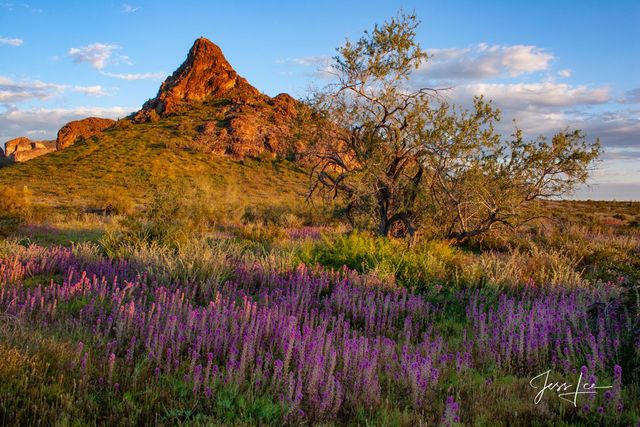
[564, 391]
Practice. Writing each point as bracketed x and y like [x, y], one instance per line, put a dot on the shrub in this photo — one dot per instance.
[14, 201]
[174, 214]
[15, 208]
[114, 202]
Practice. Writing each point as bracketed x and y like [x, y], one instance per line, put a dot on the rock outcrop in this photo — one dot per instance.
[247, 122]
[253, 129]
[78, 130]
[23, 149]
[205, 74]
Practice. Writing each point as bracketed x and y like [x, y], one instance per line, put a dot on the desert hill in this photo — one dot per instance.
[207, 123]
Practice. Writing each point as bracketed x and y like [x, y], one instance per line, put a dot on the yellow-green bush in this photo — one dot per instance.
[114, 202]
[15, 208]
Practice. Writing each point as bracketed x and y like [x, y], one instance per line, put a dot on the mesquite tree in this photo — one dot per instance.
[478, 181]
[365, 128]
[399, 158]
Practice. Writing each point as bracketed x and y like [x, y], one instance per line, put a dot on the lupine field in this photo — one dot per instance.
[271, 338]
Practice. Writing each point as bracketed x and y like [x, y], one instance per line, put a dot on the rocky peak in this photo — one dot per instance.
[205, 74]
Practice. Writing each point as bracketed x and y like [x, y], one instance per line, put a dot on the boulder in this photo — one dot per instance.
[22, 149]
[78, 130]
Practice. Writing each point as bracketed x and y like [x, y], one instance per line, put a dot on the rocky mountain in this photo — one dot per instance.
[245, 123]
[22, 149]
[205, 74]
[215, 108]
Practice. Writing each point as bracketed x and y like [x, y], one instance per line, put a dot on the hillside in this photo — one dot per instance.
[139, 157]
[207, 128]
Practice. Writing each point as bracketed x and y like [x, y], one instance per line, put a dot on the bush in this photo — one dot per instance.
[173, 215]
[417, 268]
[123, 124]
[284, 215]
[114, 202]
[15, 201]
[15, 208]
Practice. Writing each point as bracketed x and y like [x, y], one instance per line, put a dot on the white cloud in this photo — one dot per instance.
[90, 90]
[45, 122]
[483, 61]
[127, 8]
[11, 7]
[322, 64]
[317, 60]
[547, 107]
[15, 42]
[565, 73]
[477, 62]
[97, 54]
[608, 191]
[17, 91]
[134, 76]
[532, 95]
[12, 91]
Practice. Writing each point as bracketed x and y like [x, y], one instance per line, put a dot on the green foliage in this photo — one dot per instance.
[15, 208]
[173, 215]
[421, 267]
[402, 160]
[269, 215]
[114, 202]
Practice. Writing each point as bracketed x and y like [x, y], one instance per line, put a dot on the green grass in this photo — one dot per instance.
[135, 159]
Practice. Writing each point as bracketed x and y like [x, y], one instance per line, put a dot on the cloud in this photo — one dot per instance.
[532, 95]
[565, 73]
[134, 76]
[477, 62]
[483, 61]
[322, 64]
[317, 60]
[608, 191]
[45, 122]
[11, 42]
[97, 54]
[18, 91]
[631, 97]
[546, 107]
[90, 90]
[127, 8]
[13, 91]
[11, 7]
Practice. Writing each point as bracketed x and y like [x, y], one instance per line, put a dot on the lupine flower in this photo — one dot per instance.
[451, 414]
[321, 341]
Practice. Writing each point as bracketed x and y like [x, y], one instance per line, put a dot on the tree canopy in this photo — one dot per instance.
[400, 157]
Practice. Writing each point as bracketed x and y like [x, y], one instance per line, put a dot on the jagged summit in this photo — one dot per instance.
[241, 122]
[205, 74]
[249, 123]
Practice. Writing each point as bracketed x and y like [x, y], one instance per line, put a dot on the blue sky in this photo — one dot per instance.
[548, 64]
